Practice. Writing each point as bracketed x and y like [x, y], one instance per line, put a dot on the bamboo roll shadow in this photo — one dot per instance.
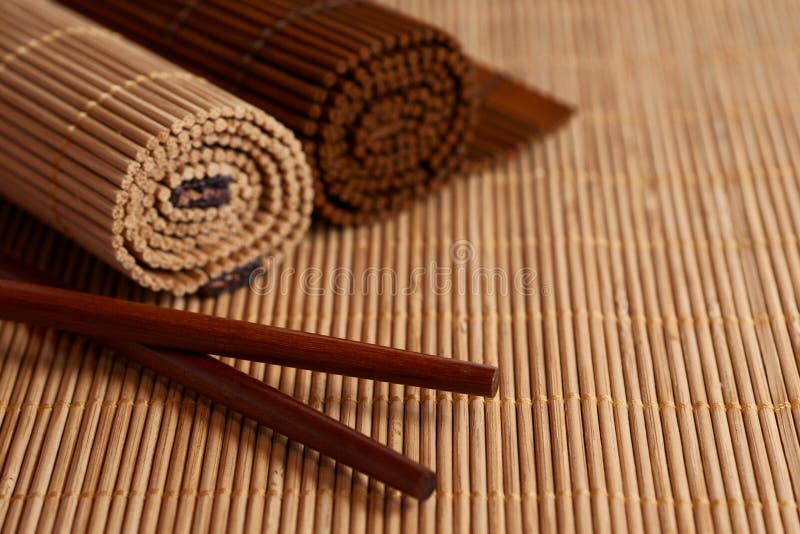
[174, 181]
[388, 107]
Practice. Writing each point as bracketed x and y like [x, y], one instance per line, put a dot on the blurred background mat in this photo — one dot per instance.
[649, 353]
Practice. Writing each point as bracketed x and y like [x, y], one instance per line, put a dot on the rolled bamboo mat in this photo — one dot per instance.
[648, 355]
[388, 107]
[175, 182]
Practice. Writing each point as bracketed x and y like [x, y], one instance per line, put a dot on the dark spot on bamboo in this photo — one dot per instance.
[203, 193]
[229, 281]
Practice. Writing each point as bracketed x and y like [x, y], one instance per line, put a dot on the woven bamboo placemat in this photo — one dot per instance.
[647, 332]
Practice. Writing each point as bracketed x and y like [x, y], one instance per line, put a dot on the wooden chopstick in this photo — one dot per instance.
[264, 404]
[152, 325]
[270, 407]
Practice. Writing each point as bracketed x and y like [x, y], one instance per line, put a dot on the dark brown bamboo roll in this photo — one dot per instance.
[177, 183]
[388, 107]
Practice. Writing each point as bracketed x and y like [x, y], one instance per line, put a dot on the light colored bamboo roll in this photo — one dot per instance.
[174, 181]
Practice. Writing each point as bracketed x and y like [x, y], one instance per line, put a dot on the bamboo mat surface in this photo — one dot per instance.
[636, 278]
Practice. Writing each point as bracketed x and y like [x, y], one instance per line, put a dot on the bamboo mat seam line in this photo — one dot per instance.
[538, 400]
[88, 107]
[699, 243]
[653, 319]
[280, 24]
[47, 38]
[627, 498]
[668, 61]
[671, 113]
[652, 405]
[193, 492]
[109, 93]
[41, 41]
[696, 243]
[567, 313]
[605, 7]
[698, 502]
[175, 24]
[650, 178]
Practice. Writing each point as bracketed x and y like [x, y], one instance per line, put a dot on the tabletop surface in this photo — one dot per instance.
[635, 277]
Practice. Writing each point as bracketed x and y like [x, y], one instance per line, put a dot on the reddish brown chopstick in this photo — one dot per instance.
[272, 408]
[163, 327]
[266, 405]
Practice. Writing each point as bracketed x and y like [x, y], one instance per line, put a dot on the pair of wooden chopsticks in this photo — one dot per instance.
[174, 343]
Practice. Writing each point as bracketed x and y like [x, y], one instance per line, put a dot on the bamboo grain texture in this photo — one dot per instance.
[649, 381]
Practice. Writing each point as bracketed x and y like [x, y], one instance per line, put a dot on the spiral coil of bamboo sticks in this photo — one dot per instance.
[177, 183]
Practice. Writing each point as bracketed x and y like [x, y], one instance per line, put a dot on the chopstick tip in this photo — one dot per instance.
[426, 485]
[495, 383]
